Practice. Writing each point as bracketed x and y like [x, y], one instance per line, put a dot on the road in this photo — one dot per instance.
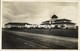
[25, 40]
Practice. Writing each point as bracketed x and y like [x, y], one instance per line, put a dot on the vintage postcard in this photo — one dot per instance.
[40, 25]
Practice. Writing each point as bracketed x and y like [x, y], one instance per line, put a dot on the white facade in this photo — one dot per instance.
[66, 25]
[52, 20]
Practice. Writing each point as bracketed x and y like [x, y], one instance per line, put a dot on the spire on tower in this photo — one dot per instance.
[54, 16]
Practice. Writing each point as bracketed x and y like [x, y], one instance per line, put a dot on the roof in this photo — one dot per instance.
[13, 23]
[54, 16]
[62, 20]
[64, 23]
[45, 22]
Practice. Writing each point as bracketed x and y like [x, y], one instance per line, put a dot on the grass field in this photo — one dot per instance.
[57, 32]
[25, 40]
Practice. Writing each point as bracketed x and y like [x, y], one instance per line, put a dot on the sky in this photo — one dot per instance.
[37, 12]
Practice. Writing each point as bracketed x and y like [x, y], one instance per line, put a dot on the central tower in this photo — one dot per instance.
[53, 18]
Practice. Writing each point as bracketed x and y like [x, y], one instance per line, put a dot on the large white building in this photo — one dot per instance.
[60, 23]
[54, 22]
[15, 25]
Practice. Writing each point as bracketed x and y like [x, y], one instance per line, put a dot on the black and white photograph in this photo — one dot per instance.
[40, 25]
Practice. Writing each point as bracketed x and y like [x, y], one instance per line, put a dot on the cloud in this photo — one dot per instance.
[36, 12]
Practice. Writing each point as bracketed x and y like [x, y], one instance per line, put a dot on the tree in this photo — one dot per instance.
[62, 26]
[56, 26]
